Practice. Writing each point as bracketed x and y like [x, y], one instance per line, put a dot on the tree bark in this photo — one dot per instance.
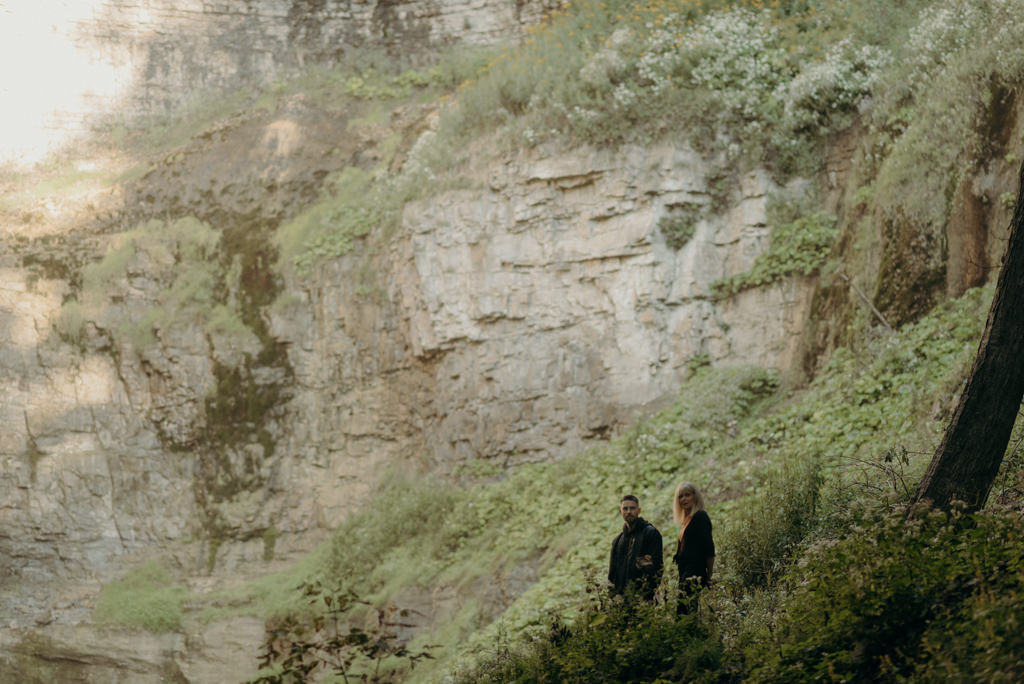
[967, 461]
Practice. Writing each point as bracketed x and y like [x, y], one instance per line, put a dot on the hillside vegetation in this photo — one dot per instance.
[818, 576]
[930, 87]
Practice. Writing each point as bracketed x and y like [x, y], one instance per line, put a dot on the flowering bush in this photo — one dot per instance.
[944, 30]
[612, 71]
[742, 65]
[835, 86]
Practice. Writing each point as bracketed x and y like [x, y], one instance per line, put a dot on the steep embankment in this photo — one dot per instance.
[213, 351]
[223, 417]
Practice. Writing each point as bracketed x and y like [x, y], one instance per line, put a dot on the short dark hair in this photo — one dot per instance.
[630, 497]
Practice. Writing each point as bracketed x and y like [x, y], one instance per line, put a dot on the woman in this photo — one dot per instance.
[695, 553]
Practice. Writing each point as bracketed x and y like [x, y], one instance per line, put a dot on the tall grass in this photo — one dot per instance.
[146, 597]
[160, 273]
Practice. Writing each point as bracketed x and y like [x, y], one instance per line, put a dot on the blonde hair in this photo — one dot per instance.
[698, 502]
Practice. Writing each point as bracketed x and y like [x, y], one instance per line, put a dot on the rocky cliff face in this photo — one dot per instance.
[177, 48]
[524, 319]
[93, 58]
[552, 309]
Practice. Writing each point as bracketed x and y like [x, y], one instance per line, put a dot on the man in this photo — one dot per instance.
[636, 562]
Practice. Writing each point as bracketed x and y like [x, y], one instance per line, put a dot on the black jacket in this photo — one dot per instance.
[695, 548]
[643, 539]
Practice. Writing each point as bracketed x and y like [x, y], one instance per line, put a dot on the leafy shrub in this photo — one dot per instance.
[980, 638]
[349, 208]
[774, 523]
[898, 598]
[797, 248]
[679, 226]
[298, 650]
[612, 640]
[825, 95]
[146, 598]
[697, 362]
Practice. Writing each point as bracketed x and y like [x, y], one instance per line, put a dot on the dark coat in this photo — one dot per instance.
[694, 549]
[643, 539]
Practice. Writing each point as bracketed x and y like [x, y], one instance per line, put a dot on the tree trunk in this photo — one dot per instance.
[967, 461]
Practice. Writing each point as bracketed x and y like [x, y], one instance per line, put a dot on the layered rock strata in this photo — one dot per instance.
[554, 310]
[521, 320]
[146, 58]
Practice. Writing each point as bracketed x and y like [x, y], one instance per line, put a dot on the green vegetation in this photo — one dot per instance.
[936, 112]
[351, 206]
[769, 78]
[146, 598]
[274, 596]
[797, 248]
[819, 577]
[269, 542]
[800, 241]
[177, 265]
[370, 74]
[679, 226]
[783, 471]
[815, 575]
[614, 642]
[942, 110]
[296, 650]
[930, 599]
[356, 202]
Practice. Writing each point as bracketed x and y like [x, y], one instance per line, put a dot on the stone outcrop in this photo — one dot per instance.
[116, 656]
[523, 319]
[150, 57]
[553, 310]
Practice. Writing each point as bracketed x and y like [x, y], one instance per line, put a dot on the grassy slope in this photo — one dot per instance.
[775, 466]
[780, 471]
[788, 476]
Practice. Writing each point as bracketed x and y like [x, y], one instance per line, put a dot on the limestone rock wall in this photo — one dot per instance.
[176, 48]
[524, 319]
[553, 310]
[84, 477]
[93, 58]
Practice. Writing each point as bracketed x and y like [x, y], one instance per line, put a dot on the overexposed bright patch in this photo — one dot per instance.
[52, 74]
